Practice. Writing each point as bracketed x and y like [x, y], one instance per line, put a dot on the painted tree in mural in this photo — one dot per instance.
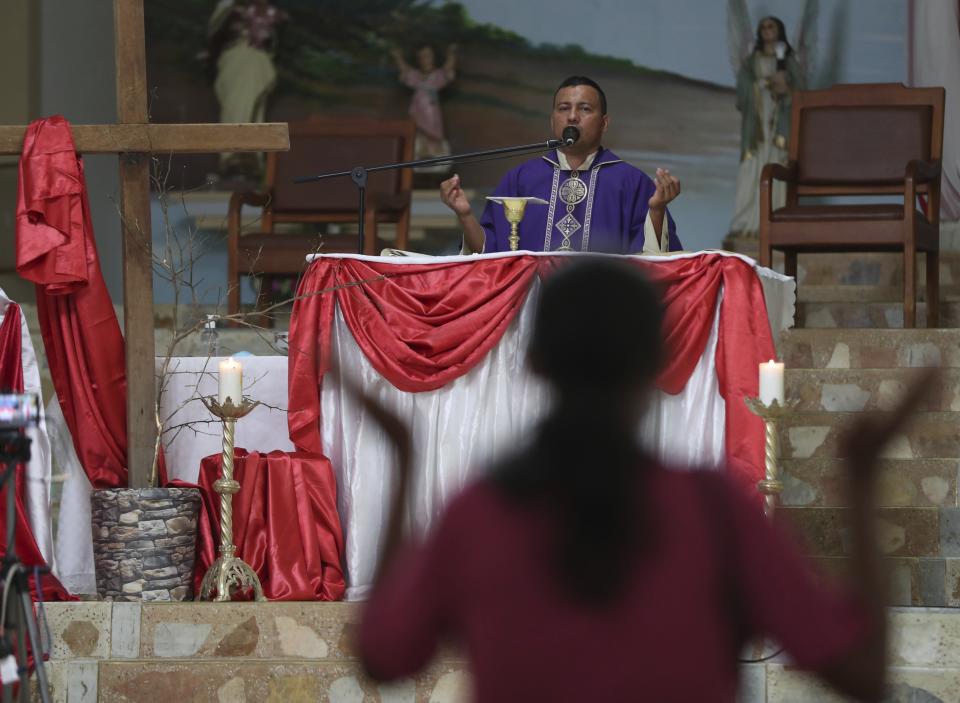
[327, 44]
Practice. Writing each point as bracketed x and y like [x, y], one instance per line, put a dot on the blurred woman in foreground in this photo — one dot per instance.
[581, 569]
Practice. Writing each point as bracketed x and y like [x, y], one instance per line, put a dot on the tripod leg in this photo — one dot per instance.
[22, 669]
[27, 617]
[12, 624]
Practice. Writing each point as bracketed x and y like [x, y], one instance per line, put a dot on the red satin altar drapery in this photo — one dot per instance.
[81, 337]
[421, 326]
[11, 381]
[285, 523]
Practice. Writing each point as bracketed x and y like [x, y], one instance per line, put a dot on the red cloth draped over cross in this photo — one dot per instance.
[81, 337]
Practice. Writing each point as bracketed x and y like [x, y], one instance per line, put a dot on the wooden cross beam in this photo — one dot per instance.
[134, 139]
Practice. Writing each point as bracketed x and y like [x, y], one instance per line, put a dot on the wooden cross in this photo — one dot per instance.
[134, 140]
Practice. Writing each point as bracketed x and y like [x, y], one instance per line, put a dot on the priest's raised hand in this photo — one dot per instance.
[668, 188]
[452, 195]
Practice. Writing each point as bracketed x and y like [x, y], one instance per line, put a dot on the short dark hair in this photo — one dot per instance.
[611, 355]
[583, 80]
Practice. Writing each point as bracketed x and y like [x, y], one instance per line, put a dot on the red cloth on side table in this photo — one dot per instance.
[285, 523]
[422, 326]
[81, 337]
[11, 380]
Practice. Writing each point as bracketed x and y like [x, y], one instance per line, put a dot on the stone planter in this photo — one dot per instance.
[144, 542]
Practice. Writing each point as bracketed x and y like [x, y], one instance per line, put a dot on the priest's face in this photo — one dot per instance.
[579, 106]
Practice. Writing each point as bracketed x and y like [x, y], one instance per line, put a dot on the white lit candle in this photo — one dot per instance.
[771, 382]
[231, 381]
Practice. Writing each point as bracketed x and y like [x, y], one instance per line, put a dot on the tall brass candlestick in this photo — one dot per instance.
[228, 572]
[770, 486]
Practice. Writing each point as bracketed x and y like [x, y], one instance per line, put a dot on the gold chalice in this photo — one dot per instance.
[513, 209]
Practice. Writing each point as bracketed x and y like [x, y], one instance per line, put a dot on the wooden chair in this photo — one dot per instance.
[863, 140]
[319, 145]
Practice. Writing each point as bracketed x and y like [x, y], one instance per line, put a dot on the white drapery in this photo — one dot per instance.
[460, 428]
[37, 488]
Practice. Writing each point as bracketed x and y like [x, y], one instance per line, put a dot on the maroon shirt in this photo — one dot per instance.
[484, 579]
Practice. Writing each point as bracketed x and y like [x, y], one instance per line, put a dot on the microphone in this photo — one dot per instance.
[570, 135]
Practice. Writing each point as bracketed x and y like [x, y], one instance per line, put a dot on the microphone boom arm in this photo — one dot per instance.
[358, 174]
[452, 158]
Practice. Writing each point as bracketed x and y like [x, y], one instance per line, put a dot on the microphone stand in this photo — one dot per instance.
[358, 174]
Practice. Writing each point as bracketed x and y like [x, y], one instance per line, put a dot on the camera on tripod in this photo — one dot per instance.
[18, 411]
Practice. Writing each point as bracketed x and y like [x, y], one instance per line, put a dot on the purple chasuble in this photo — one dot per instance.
[608, 215]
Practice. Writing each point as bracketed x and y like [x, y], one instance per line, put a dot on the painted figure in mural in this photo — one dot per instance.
[597, 201]
[427, 80]
[768, 70]
[243, 38]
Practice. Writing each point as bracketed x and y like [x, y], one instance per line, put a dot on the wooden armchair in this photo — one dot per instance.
[863, 140]
[316, 146]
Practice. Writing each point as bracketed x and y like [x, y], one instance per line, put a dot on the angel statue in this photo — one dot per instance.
[427, 80]
[768, 70]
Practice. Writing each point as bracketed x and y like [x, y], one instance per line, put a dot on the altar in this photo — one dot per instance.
[457, 375]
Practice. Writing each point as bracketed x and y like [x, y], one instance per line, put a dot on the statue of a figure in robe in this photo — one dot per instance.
[768, 70]
[243, 40]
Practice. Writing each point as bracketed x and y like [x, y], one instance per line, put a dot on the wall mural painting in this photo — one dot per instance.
[480, 74]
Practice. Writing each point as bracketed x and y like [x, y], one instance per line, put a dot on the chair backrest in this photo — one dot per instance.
[856, 139]
[319, 145]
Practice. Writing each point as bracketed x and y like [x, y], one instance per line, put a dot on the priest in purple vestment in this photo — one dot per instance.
[597, 202]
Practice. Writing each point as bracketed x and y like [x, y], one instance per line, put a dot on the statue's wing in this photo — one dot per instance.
[805, 43]
[219, 17]
[834, 53]
[739, 33]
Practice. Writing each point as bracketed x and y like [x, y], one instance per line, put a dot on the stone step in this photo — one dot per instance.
[787, 684]
[912, 581]
[931, 435]
[854, 390]
[271, 681]
[869, 315]
[224, 651]
[273, 630]
[296, 682]
[867, 294]
[854, 268]
[902, 482]
[870, 269]
[98, 655]
[902, 532]
[922, 666]
[869, 348]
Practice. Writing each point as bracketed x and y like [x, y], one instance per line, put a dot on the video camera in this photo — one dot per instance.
[18, 411]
